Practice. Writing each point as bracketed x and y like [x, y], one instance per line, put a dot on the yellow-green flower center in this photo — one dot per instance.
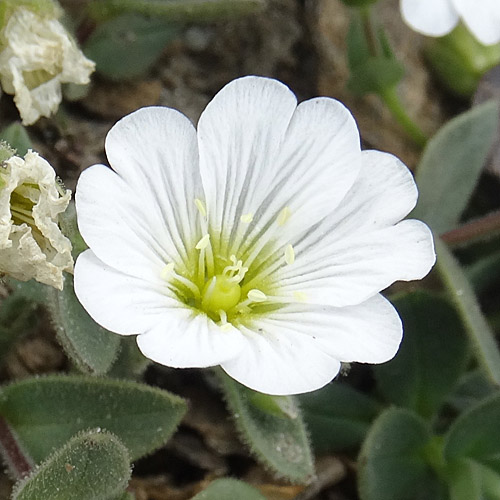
[218, 282]
[220, 293]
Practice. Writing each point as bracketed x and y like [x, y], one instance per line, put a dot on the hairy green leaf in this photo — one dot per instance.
[93, 465]
[229, 489]
[433, 354]
[45, 412]
[278, 440]
[451, 165]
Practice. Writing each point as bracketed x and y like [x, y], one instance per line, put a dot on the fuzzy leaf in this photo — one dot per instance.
[337, 416]
[433, 354]
[279, 441]
[177, 10]
[391, 463]
[474, 435]
[17, 137]
[461, 293]
[91, 347]
[45, 412]
[451, 165]
[93, 465]
[128, 45]
[229, 489]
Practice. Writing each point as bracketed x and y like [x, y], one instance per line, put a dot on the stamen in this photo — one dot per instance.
[223, 316]
[247, 218]
[284, 216]
[168, 274]
[256, 295]
[253, 296]
[289, 255]
[167, 271]
[201, 207]
[203, 243]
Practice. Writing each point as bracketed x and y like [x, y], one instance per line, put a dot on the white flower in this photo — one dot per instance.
[258, 243]
[37, 55]
[439, 17]
[31, 243]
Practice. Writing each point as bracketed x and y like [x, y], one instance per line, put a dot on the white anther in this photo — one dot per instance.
[201, 207]
[256, 295]
[167, 271]
[203, 243]
[246, 218]
[289, 255]
[284, 216]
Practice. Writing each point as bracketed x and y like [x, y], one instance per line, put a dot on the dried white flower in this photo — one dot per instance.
[37, 55]
[31, 242]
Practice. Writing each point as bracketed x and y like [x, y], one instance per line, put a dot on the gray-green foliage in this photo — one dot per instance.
[451, 164]
[177, 10]
[337, 416]
[391, 463]
[278, 440]
[45, 412]
[91, 347]
[93, 465]
[126, 46]
[229, 489]
[433, 354]
[17, 137]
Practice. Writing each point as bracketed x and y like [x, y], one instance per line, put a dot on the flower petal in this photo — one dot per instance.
[119, 302]
[260, 154]
[430, 17]
[240, 134]
[355, 252]
[297, 348]
[115, 225]
[188, 339]
[155, 151]
[482, 17]
[348, 271]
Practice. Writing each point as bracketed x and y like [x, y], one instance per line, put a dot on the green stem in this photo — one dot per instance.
[480, 333]
[389, 96]
[393, 103]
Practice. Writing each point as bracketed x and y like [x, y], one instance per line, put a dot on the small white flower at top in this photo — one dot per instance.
[259, 242]
[37, 55]
[31, 242]
[439, 17]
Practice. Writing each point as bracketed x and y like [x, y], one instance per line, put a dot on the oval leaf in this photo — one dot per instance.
[474, 435]
[391, 464]
[126, 46]
[92, 466]
[451, 165]
[229, 489]
[461, 293]
[45, 412]
[177, 10]
[91, 347]
[337, 416]
[279, 441]
[432, 356]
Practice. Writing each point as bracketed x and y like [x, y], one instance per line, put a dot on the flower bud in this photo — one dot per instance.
[31, 199]
[37, 55]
